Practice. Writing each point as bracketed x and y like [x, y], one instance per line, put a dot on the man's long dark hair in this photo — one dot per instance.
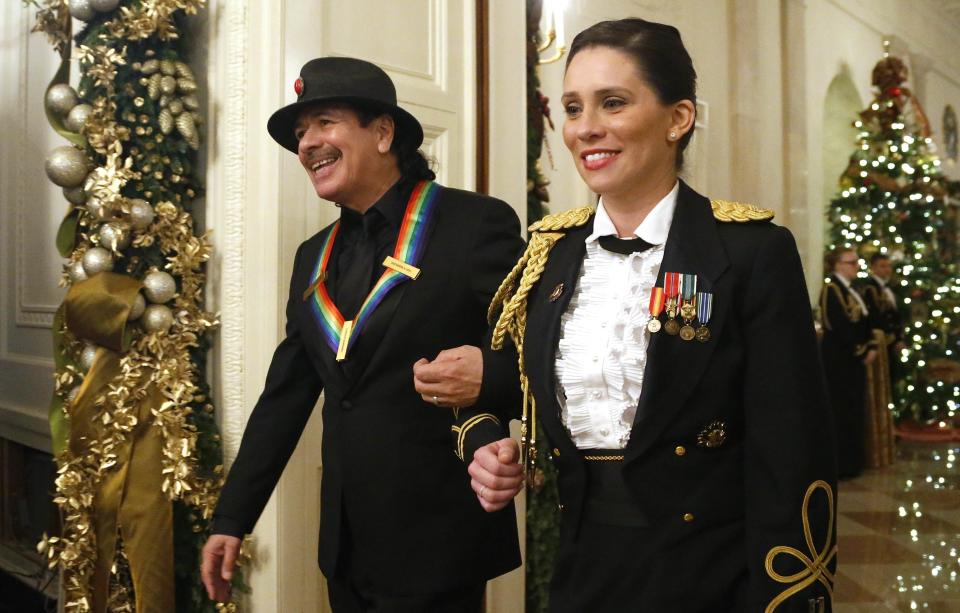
[413, 164]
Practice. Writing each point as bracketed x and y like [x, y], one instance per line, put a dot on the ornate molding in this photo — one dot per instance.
[228, 165]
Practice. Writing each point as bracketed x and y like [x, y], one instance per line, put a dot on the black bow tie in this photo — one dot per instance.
[624, 246]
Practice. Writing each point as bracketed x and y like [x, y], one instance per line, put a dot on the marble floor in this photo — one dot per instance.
[899, 534]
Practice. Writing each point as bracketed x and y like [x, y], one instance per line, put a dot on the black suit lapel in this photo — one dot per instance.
[674, 366]
[547, 304]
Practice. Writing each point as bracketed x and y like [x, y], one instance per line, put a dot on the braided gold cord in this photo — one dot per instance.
[563, 221]
[724, 210]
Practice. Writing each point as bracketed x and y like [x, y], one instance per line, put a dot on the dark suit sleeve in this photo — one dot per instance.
[289, 395]
[497, 248]
[790, 463]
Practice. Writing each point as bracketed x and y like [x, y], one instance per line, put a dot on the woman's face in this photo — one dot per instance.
[616, 128]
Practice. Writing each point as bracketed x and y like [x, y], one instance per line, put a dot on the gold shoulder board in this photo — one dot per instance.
[563, 221]
[724, 210]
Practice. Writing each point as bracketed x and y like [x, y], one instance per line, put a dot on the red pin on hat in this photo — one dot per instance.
[298, 86]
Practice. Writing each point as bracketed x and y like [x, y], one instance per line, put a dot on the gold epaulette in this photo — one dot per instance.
[563, 221]
[724, 210]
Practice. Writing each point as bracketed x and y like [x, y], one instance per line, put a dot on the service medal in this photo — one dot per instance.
[687, 332]
[671, 287]
[656, 307]
[704, 312]
[688, 311]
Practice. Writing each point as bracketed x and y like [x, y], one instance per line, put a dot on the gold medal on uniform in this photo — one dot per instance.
[671, 288]
[687, 310]
[704, 312]
[656, 307]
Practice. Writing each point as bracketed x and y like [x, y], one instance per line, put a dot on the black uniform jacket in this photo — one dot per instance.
[884, 314]
[846, 330]
[390, 480]
[731, 456]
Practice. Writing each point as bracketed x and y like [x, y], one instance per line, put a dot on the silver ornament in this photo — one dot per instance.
[76, 272]
[87, 355]
[159, 287]
[72, 396]
[60, 99]
[77, 117]
[141, 214]
[66, 166]
[114, 236]
[81, 9]
[139, 304]
[97, 210]
[97, 260]
[156, 318]
[104, 5]
[75, 195]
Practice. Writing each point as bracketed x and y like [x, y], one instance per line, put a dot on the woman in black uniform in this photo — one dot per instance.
[666, 344]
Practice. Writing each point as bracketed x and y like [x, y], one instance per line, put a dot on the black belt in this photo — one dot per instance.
[609, 501]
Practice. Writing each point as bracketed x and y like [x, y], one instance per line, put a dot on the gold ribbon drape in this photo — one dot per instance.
[878, 431]
[129, 501]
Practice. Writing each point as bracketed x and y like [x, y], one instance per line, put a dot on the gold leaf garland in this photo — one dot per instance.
[158, 361]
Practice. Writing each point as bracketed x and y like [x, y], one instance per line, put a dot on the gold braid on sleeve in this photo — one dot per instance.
[511, 302]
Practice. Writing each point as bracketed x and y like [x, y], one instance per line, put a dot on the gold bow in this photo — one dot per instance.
[815, 567]
[129, 501]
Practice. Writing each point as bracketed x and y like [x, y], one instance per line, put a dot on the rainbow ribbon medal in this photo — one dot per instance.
[400, 267]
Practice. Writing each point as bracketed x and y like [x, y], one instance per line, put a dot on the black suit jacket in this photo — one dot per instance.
[884, 315]
[718, 513]
[390, 481]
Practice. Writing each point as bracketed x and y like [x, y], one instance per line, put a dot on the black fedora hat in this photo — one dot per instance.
[343, 79]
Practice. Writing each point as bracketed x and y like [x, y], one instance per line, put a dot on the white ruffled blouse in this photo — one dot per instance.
[603, 336]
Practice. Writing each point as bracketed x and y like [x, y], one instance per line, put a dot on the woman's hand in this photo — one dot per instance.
[496, 476]
[452, 379]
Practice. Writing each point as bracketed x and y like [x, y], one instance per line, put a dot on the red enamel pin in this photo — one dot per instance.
[298, 86]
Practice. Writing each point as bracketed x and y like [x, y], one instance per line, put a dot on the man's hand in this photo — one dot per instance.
[452, 379]
[219, 558]
[870, 357]
[495, 475]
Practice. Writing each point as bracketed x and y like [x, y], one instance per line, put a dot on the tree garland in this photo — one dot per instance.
[130, 177]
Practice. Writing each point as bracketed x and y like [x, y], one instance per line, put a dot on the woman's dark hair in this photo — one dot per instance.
[659, 54]
[414, 165]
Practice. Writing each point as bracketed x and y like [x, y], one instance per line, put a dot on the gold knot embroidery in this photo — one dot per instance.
[815, 567]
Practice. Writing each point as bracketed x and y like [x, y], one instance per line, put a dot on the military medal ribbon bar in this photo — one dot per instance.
[657, 300]
[704, 312]
[402, 266]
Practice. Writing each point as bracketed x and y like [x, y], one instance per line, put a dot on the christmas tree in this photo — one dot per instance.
[892, 200]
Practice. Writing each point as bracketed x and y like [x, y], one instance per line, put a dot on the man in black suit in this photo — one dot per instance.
[408, 270]
[847, 349]
[881, 301]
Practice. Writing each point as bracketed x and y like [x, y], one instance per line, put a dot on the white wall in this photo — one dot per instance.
[31, 208]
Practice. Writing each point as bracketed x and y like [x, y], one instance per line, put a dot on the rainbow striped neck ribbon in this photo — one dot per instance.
[341, 334]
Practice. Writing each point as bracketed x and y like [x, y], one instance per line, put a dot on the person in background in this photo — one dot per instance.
[665, 343]
[882, 304]
[847, 349]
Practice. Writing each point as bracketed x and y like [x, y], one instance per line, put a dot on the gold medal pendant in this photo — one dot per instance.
[671, 327]
[687, 332]
[703, 334]
[653, 326]
[688, 311]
